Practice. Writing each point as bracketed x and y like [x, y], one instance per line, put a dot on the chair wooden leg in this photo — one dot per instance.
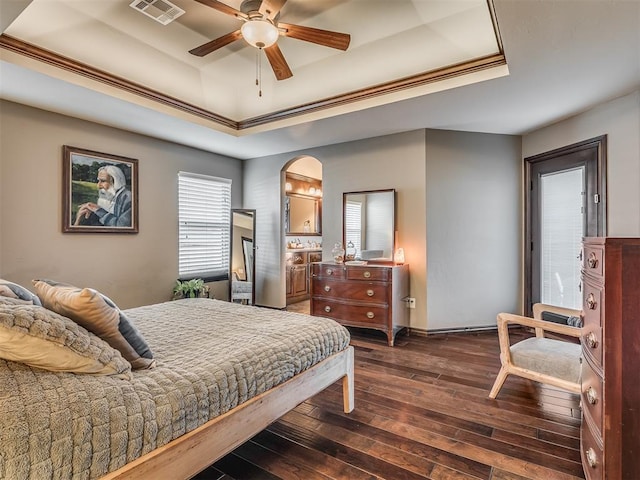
[497, 385]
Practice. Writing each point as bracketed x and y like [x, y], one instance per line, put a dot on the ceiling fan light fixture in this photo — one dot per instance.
[260, 33]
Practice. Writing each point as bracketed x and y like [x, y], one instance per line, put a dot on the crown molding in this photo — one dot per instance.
[68, 64]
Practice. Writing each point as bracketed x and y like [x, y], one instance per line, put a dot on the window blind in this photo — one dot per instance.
[353, 224]
[204, 213]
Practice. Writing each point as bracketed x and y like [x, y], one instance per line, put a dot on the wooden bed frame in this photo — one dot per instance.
[189, 454]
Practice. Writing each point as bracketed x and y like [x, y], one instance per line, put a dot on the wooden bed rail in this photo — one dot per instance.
[190, 453]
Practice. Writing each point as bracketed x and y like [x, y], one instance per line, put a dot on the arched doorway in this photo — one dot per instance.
[302, 217]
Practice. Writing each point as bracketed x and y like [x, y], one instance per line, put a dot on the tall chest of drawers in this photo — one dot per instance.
[610, 431]
[368, 296]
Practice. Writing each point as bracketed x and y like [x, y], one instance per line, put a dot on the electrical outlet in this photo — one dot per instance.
[411, 303]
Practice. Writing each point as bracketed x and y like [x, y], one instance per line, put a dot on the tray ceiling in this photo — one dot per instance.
[399, 49]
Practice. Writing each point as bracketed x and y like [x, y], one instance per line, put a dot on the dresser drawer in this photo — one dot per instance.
[592, 304]
[591, 453]
[591, 396]
[357, 315]
[368, 273]
[592, 260]
[358, 291]
[324, 270]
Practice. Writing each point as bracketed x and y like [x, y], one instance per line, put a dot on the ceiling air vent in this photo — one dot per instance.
[161, 11]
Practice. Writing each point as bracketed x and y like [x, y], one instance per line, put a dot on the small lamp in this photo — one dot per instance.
[398, 256]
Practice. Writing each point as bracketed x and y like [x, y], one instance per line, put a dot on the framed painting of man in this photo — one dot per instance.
[100, 192]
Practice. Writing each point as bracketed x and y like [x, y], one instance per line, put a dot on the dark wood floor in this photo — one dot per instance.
[422, 411]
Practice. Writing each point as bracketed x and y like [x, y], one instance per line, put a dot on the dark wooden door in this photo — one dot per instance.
[588, 159]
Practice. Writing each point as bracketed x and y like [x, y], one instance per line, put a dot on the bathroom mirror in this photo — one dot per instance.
[303, 205]
[242, 262]
[369, 224]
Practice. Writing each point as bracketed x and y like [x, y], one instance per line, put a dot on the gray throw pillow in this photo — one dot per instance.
[7, 287]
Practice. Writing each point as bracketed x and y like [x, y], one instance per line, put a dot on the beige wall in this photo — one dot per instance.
[619, 119]
[132, 269]
[474, 241]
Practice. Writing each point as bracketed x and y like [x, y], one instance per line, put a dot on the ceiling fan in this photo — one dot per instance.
[261, 29]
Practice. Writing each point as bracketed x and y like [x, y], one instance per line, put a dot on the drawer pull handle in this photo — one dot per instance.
[366, 274]
[592, 396]
[592, 260]
[579, 257]
[580, 287]
[370, 315]
[329, 271]
[369, 293]
[592, 460]
[591, 302]
[327, 288]
[592, 341]
[327, 309]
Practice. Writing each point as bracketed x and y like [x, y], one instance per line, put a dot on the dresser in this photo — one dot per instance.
[368, 296]
[610, 398]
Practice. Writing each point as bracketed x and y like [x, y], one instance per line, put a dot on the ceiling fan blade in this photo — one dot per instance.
[224, 8]
[278, 63]
[207, 48]
[270, 8]
[315, 35]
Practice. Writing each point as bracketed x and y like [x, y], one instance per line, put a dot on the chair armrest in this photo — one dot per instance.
[505, 318]
[538, 308]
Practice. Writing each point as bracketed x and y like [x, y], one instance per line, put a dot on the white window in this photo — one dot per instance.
[204, 213]
[353, 224]
[561, 221]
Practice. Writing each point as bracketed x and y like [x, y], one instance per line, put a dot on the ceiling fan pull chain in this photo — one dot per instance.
[259, 71]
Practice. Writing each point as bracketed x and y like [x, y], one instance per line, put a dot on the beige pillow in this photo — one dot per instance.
[88, 308]
[40, 338]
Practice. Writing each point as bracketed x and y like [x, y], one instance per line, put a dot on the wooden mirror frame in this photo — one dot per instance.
[299, 188]
[384, 260]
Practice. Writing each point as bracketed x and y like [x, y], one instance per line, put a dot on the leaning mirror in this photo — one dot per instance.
[242, 261]
[369, 225]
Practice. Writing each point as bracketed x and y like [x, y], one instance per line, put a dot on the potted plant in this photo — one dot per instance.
[188, 288]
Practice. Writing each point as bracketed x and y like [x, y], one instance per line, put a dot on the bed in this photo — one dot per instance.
[223, 372]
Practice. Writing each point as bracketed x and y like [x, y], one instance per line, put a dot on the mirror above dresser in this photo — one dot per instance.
[369, 225]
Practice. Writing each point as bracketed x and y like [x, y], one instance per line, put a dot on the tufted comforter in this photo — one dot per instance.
[211, 356]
